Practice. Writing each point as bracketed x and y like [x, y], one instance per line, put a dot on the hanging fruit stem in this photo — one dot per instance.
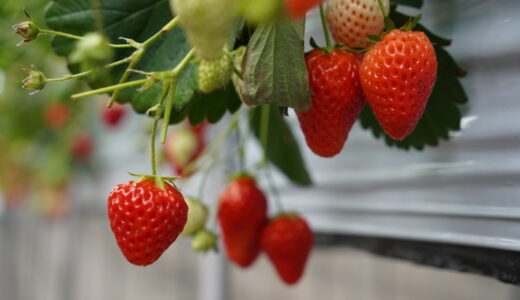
[325, 27]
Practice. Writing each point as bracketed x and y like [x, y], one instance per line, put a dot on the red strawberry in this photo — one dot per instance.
[350, 21]
[146, 219]
[298, 8]
[56, 115]
[82, 146]
[397, 77]
[112, 116]
[242, 215]
[336, 100]
[287, 240]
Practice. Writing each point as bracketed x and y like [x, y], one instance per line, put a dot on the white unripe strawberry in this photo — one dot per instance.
[350, 21]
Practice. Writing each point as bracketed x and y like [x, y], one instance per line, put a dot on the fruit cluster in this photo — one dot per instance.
[147, 216]
[249, 51]
[395, 76]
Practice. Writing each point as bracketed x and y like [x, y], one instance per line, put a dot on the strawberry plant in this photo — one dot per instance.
[190, 62]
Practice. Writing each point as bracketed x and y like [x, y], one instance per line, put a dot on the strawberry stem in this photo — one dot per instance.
[382, 8]
[156, 119]
[325, 27]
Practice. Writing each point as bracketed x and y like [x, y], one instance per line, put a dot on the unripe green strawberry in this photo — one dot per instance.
[214, 74]
[197, 216]
[350, 21]
[206, 23]
[204, 240]
[259, 11]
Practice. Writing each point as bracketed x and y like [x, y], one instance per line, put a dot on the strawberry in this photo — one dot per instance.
[397, 77]
[183, 146]
[242, 215]
[57, 115]
[287, 240]
[82, 146]
[208, 24]
[297, 9]
[197, 216]
[350, 21]
[113, 115]
[259, 11]
[336, 100]
[214, 74]
[146, 219]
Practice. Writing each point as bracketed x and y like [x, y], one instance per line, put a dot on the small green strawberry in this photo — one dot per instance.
[197, 216]
[214, 74]
[207, 24]
[204, 240]
[259, 11]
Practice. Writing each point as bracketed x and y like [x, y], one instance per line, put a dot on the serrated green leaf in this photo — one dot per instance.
[282, 149]
[274, 67]
[212, 107]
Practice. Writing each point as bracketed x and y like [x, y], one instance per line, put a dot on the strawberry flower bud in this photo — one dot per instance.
[35, 81]
[27, 30]
[93, 49]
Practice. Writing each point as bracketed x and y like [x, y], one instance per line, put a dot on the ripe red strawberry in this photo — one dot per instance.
[397, 77]
[336, 100]
[146, 219]
[242, 215]
[350, 21]
[56, 115]
[298, 8]
[112, 116]
[287, 240]
[82, 146]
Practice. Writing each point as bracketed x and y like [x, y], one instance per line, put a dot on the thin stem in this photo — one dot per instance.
[274, 189]
[264, 131]
[77, 37]
[184, 63]
[134, 59]
[86, 73]
[382, 8]
[168, 111]
[166, 28]
[138, 54]
[240, 148]
[154, 128]
[169, 104]
[325, 27]
[109, 88]
[152, 147]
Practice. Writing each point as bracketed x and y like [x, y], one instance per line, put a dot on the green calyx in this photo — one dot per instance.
[159, 180]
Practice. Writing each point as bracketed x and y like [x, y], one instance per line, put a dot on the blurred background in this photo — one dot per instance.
[59, 160]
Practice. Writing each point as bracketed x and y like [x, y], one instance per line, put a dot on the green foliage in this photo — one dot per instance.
[137, 20]
[282, 149]
[442, 113]
[274, 67]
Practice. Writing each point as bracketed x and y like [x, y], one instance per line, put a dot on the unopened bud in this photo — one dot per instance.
[28, 30]
[35, 81]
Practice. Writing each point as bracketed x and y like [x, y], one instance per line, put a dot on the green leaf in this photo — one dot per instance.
[282, 149]
[442, 113]
[212, 107]
[274, 67]
[133, 19]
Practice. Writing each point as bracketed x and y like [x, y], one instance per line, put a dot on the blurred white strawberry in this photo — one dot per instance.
[183, 146]
[350, 21]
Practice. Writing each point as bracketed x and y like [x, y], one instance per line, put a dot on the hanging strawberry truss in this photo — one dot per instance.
[191, 62]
